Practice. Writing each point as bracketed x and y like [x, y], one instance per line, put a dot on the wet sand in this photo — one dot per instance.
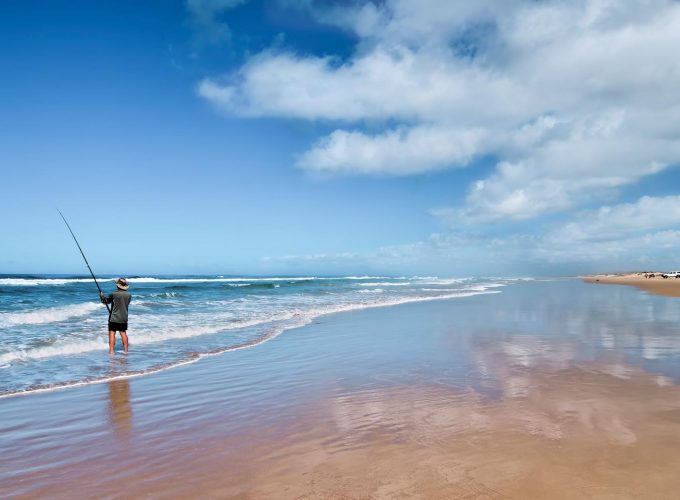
[581, 434]
[539, 392]
[658, 285]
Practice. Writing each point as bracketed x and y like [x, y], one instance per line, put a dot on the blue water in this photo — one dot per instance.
[53, 329]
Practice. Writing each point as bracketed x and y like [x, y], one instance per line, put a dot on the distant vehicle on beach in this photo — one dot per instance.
[674, 274]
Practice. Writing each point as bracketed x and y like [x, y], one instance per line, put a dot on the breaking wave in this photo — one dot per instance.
[180, 319]
[19, 281]
[276, 322]
[47, 315]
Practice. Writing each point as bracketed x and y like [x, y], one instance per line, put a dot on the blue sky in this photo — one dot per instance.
[302, 137]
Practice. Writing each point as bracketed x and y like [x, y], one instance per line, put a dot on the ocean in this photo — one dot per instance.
[53, 329]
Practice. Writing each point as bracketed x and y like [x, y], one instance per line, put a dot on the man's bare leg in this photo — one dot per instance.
[123, 335]
[112, 341]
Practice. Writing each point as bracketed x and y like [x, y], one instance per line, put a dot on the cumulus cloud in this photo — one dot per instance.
[383, 84]
[575, 98]
[401, 151]
[613, 222]
[645, 231]
[640, 234]
[625, 231]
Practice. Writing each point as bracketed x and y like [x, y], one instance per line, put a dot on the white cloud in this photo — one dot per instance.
[402, 151]
[325, 258]
[646, 214]
[642, 234]
[383, 84]
[576, 99]
[655, 250]
[643, 231]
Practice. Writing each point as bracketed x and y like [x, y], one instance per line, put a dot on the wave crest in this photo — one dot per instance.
[47, 315]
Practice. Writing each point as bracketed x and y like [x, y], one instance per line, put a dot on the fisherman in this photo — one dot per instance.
[118, 317]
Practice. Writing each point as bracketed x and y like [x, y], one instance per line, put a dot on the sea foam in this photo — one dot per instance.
[296, 317]
[47, 315]
[64, 345]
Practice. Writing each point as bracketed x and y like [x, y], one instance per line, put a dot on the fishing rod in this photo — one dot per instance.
[85, 258]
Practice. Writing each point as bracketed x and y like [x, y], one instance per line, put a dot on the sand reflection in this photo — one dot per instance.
[559, 428]
[119, 408]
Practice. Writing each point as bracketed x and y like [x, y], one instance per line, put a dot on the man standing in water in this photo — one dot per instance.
[118, 319]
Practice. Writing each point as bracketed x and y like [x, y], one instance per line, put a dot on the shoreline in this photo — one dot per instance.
[431, 399]
[257, 342]
[667, 287]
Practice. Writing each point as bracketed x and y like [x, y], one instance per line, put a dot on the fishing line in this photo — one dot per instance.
[85, 258]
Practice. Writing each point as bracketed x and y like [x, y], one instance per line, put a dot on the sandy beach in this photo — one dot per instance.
[656, 285]
[547, 390]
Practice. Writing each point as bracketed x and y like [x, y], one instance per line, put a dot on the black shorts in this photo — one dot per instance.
[117, 327]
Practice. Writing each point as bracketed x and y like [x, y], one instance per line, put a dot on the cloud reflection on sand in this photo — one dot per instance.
[555, 414]
[544, 392]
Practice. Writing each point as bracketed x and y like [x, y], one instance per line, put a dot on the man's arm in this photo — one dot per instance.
[104, 299]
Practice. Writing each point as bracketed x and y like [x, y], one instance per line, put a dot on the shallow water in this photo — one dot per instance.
[544, 387]
[53, 330]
